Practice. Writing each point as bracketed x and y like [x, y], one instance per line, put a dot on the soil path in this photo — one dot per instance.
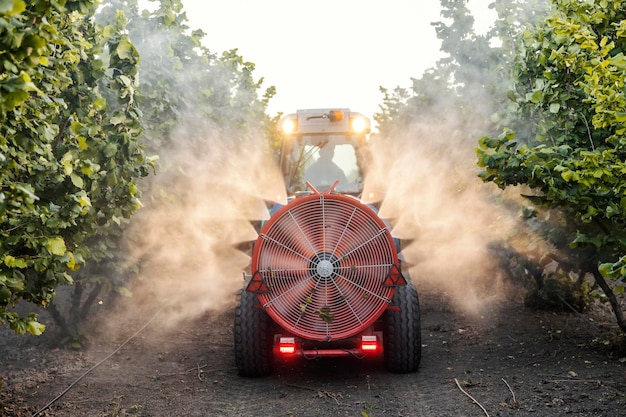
[511, 361]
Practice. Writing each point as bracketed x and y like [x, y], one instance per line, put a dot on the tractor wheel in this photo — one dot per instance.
[253, 337]
[403, 334]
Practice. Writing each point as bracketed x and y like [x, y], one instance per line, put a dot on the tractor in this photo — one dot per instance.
[326, 277]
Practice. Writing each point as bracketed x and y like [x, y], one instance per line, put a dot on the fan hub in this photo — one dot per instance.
[325, 269]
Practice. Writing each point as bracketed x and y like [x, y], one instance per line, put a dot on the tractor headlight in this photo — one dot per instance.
[360, 124]
[288, 125]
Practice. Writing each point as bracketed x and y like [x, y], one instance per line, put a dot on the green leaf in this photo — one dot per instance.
[66, 162]
[27, 193]
[118, 119]
[77, 180]
[15, 98]
[5, 294]
[619, 61]
[325, 314]
[13, 262]
[584, 239]
[567, 175]
[18, 326]
[71, 263]
[12, 7]
[125, 49]
[35, 328]
[6, 6]
[620, 116]
[100, 103]
[110, 150]
[16, 283]
[83, 200]
[56, 246]
[87, 169]
[607, 271]
[555, 107]
[82, 143]
[537, 96]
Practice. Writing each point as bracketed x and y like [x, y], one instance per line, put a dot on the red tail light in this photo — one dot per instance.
[287, 345]
[369, 344]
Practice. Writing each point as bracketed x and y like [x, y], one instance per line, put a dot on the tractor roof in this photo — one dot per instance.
[329, 121]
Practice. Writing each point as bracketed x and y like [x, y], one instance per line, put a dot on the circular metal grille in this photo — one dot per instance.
[324, 259]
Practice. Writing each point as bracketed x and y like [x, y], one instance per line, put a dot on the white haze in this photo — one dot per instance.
[199, 209]
[212, 184]
[442, 212]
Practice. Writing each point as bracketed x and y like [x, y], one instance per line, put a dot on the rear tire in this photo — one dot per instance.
[403, 334]
[253, 337]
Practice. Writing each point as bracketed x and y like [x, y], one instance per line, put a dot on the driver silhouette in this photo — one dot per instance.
[324, 171]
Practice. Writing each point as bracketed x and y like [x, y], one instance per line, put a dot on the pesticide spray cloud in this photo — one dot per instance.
[198, 212]
[441, 210]
[215, 175]
[428, 173]
[213, 183]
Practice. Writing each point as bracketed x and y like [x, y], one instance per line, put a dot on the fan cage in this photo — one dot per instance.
[323, 260]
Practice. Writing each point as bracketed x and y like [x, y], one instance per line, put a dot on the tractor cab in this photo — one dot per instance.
[323, 150]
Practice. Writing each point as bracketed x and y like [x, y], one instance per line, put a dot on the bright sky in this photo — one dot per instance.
[328, 53]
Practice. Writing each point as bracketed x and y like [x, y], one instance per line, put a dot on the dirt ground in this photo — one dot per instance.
[507, 361]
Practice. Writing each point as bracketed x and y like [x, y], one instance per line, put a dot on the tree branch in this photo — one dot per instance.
[617, 310]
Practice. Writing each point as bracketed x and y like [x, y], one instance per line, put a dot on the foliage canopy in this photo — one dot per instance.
[545, 87]
[565, 139]
[75, 123]
[69, 155]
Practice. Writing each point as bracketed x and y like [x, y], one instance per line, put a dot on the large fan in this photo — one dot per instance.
[325, 267]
